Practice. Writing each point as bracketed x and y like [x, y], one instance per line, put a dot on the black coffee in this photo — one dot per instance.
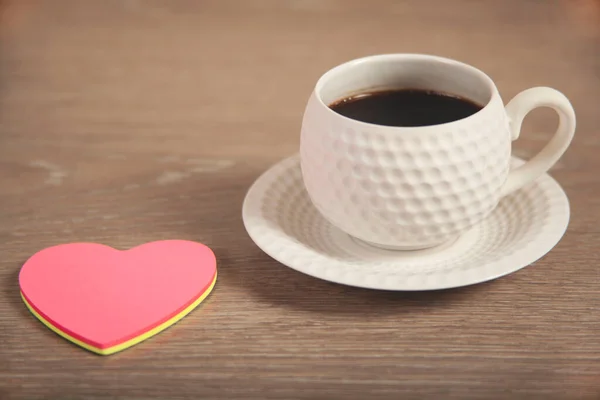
[405, 107]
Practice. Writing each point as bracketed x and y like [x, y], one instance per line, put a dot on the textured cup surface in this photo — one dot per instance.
[405, 187]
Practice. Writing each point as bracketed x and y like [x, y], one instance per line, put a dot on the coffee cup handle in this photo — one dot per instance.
[516, 110]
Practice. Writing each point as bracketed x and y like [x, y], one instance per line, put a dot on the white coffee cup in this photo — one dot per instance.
[417, 187]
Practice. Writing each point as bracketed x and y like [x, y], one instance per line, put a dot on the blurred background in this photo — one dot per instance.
[92, 70]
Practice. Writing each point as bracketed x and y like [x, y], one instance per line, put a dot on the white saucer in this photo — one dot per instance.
[282, 221]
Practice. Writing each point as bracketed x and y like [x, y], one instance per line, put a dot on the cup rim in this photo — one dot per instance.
[402, 57]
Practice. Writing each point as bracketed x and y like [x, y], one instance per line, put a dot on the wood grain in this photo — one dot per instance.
[128, 121]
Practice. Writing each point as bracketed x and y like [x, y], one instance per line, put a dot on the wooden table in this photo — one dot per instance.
[123, 122]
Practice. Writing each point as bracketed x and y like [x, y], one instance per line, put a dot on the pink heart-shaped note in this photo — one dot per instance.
[106, 300]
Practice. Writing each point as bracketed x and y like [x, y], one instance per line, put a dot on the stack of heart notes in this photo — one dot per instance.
[106, 300]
